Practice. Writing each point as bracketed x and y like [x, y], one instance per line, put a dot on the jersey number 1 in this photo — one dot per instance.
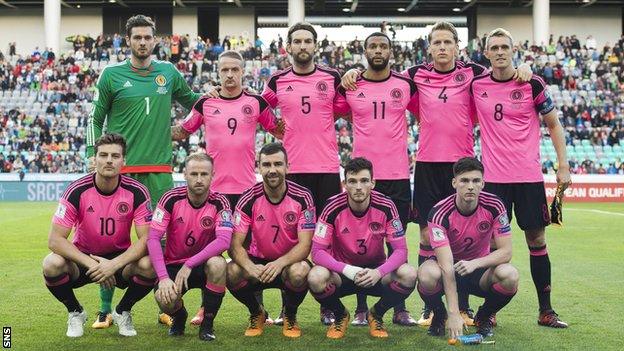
[147, 105]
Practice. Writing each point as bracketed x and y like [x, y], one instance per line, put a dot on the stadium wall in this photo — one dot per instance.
[237, 21]
[185, 21]
[604, 23]
[26, 27]
[50, 187]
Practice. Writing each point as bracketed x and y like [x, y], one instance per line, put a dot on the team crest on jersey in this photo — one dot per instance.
[484, 226]
[123, 208]
[290, 217]
[438, 234]
[247, 110]
[160, 80]
[375, 227]
[516, 95]
[321, 87]
[396, 94]
[460, 77]
[207, 222]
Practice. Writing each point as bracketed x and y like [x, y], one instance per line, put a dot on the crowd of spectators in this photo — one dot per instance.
[45, 98]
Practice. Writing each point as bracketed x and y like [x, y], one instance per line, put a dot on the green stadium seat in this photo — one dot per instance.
[617, 148]
[585, 142]
[607, 148]
[1, 148]
[588, 148]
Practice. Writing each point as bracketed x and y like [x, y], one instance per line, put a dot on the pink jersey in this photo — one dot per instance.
[379, 122]
[468, 236]
[190, 229]
[306, 102]
[103, 221]
[274, 227]
[359, 239]
[230, 134]
[508, 113]
[445, 112]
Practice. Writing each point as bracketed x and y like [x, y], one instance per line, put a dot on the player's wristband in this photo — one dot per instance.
[350, 271]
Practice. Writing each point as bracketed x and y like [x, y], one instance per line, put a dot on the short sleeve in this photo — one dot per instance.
[66, 214]
[341, 106]
[194, 119]
[541, 96]
[224, 220]
[143, 213]
[242, 222]
[270, 92]
[394, 230]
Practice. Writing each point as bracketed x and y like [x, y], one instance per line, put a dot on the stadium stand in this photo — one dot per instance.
[45, 100]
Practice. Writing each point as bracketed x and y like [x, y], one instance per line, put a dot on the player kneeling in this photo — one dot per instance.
[281, 217]
[199, 228]
[348, 250]
[460, 229]
[101, 206]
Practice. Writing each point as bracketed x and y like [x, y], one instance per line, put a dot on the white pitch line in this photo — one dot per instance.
[595, 211]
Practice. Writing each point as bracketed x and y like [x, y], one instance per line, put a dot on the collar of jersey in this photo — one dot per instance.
[460, 212]
[193, 206]
[376, 81]
[359, 214]
[280, 201]
[445, 72]
[103, 193]
[231, 98]
[498, 80]
[304, 74]
[141, 71]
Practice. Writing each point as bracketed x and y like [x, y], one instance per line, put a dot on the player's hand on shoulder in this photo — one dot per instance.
[455, 325]
[523, 73]
[213, 92]
[349, 78]
[465, 267]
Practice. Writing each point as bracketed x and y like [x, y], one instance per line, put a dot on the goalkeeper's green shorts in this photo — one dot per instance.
[157, 184]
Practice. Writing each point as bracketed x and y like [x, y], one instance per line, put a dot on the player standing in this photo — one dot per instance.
[230, 131]
[348, 250]
[199, 228]
[380, 133]
[460, 230]
[281, 217]
[101, 206]
[509, 115]
[134, 98]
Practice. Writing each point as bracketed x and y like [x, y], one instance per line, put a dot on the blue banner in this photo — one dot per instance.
[36, 190]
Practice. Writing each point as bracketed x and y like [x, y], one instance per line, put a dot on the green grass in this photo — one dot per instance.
[588, 284]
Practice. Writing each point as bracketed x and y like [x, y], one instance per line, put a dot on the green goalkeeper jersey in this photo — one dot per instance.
[136, 103]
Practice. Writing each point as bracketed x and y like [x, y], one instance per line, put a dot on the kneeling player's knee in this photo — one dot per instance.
[144, 267]
[407, 275]
[318, 278]
[54, 265]
[507, 274]
[216, 267]
[234, 273]
[298, 273]
[429, 274]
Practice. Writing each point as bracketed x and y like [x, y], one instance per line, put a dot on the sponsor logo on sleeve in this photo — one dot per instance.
[60, 211]
[237, 218]
[309, 220]
[398, 228]
[438, 234]
[321, 230]
[226, 219]
[503, 220]
[158, 215]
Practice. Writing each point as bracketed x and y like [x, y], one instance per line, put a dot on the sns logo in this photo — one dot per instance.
[6, 337]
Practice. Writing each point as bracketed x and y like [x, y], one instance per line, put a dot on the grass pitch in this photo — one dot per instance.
[588, 293]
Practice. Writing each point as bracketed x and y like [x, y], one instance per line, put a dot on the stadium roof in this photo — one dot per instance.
[321, 7]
